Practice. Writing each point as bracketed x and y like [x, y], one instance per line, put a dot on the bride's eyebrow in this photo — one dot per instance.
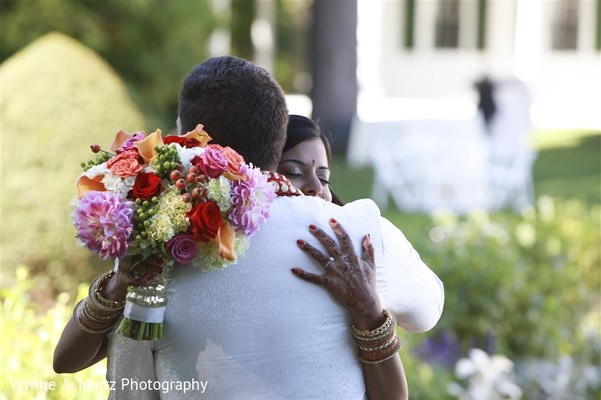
[304, 164]
[295, 161]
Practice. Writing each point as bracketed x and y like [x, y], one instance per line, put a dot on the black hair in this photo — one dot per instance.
[240, 106]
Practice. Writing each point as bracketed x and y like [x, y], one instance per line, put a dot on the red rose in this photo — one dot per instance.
[205, 220]
[182, 141]
[147, 185]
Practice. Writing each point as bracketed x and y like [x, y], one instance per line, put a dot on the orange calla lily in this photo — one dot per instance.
[120, 138]
[225, 237]
[146, 146]
[231, 176]
[199, 134]
[85, 185]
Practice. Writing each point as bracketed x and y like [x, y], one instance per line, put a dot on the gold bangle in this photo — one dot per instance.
[100, 301]
[90, 323]
[381, 346]
[378, 356]
[380, 332]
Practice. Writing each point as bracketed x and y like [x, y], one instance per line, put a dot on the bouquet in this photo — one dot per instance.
[177, 197]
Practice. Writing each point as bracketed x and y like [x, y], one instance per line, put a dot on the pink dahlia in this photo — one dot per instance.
[250, 201]
[104, 223]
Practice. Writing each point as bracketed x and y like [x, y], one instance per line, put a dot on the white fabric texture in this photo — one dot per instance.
[256, 331]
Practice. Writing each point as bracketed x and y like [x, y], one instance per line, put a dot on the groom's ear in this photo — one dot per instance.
[178, 125]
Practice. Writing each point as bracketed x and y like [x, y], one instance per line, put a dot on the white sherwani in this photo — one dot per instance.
[256, 331]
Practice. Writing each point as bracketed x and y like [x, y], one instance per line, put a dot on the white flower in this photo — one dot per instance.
[488, 377]
[187, 154]
[97, 170]
[118, 185]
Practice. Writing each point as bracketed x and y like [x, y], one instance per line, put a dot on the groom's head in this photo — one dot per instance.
[239, 104]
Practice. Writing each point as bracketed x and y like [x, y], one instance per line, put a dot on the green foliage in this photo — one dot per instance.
[571, 168]
[58, 98]
[151, 43]
[28, 339]
[526, 283]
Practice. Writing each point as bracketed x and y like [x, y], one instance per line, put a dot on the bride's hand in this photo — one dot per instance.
[349, 278]
[135, 272]
[132, 272]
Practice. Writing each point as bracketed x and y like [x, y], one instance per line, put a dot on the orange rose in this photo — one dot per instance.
[234, 161]
[125, 164]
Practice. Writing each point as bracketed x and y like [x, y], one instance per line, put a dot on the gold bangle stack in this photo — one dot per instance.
[96, 314]
[380, 344]
[96, 296]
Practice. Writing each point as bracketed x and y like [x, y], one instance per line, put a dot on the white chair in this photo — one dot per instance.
[432, 165]
[511, 155]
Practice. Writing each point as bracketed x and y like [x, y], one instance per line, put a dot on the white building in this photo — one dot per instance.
[435, 49]
[417, 122]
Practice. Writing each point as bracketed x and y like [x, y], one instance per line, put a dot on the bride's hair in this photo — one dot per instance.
[240, 105]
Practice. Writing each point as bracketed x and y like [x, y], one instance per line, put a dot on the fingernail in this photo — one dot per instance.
[369, 237]
[312, 227]
[300, 242]
[333, 221]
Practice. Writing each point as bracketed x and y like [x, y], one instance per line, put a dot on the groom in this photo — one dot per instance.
[254, 330]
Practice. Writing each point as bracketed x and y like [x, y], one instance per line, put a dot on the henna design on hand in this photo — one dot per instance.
[350, 278]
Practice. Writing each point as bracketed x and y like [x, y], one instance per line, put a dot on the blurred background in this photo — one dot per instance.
[474, 124]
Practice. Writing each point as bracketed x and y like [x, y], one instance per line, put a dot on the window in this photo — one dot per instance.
[564, 34]
[409, 24]
[447, 24]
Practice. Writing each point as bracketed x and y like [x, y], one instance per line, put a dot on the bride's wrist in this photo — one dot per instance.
[370, 319]
[112, 290]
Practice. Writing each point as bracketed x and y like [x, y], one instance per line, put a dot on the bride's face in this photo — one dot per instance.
[306, 166]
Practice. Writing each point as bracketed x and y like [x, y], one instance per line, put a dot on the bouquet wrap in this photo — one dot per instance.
[145, 307]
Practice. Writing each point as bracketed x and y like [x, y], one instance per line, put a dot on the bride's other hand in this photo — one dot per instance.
[350, 279]
[132, 272]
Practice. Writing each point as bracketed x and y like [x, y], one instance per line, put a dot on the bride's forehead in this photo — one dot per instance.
[312, 149]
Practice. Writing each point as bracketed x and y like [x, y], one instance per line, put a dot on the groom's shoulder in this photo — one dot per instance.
[303, 207]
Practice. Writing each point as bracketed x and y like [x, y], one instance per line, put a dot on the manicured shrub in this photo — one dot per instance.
[58, 98]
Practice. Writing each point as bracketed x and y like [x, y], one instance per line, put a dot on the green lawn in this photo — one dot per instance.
[568, 166]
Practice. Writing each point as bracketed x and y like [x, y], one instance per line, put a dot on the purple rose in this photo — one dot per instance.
[183, 248]
[212, 162]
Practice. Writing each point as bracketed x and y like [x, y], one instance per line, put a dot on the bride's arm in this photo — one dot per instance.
[78, 349]
[82, 343]
[352, 282]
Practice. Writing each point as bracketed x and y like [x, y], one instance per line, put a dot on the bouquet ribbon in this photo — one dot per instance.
[144, 313]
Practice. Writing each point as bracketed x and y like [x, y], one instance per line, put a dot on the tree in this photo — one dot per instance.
[151, 43]
[334, 67]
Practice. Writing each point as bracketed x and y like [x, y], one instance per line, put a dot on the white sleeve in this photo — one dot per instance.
[410, 290]
[130, 365]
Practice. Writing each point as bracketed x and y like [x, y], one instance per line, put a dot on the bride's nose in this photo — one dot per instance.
[312, 186]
